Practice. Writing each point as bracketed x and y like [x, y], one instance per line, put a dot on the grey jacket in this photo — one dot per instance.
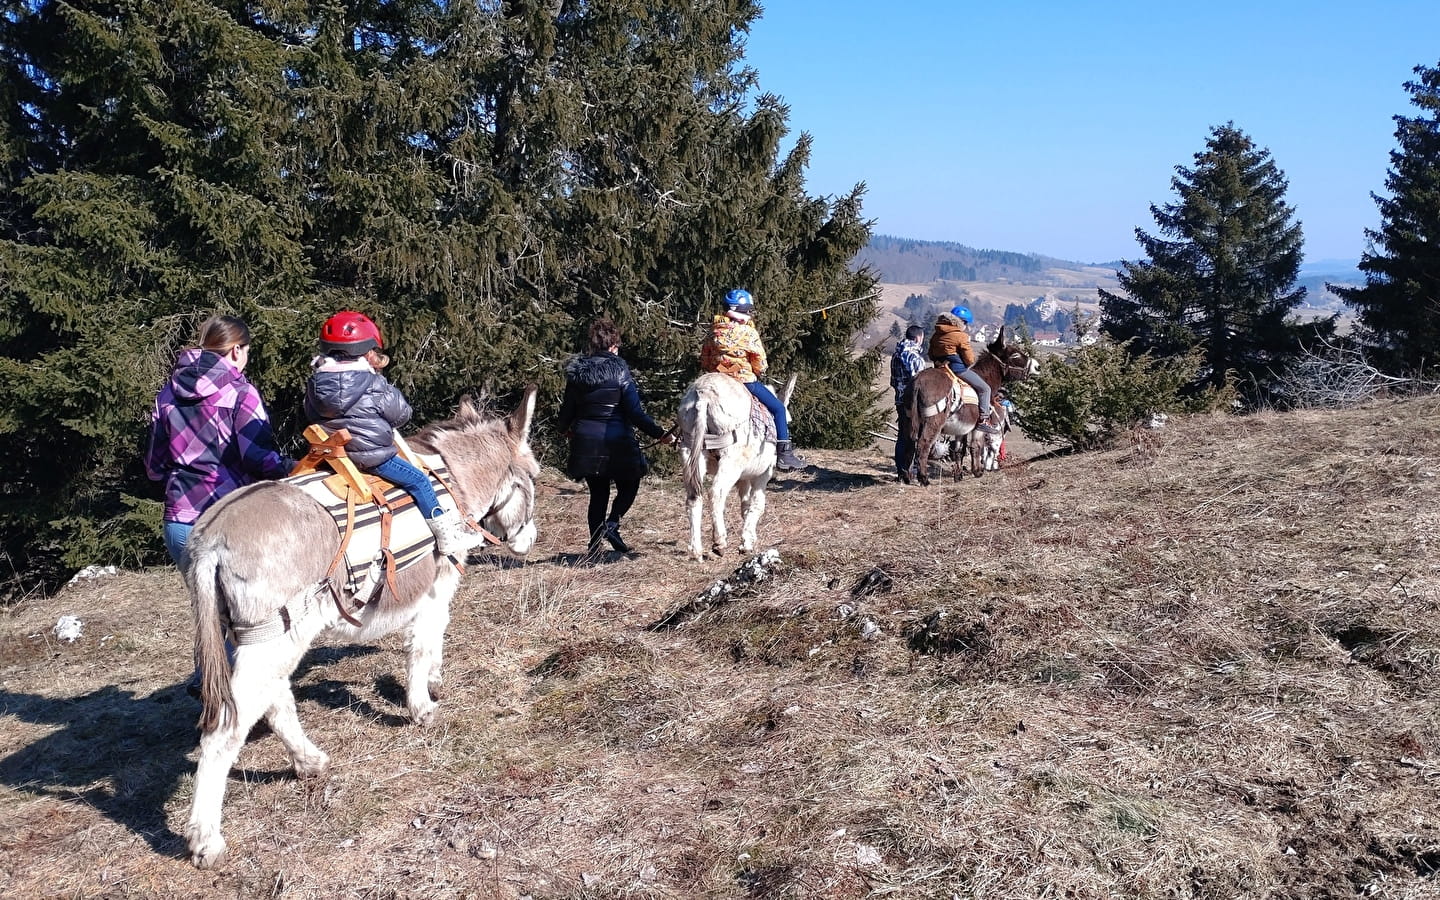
[363, 402]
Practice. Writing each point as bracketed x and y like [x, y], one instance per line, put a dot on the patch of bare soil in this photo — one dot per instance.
[1202, 665]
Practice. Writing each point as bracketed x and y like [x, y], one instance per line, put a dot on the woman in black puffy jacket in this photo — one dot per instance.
[600, 413]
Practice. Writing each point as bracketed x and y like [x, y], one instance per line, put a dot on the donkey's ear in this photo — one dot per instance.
[521, 418]
[999, 338]
[466, 411]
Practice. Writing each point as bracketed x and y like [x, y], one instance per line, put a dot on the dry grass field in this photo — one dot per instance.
[1202, 665]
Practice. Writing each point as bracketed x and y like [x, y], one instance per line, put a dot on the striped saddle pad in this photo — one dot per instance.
[410, 537]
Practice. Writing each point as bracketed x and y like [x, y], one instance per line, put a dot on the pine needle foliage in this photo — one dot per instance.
[1088, 397]
[1220, 275]
[1399, 304]
[482, 178]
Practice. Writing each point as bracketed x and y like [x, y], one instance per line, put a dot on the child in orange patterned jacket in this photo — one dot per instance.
[734, 348]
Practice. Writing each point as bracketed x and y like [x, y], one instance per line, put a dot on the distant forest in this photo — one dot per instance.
[906, 261]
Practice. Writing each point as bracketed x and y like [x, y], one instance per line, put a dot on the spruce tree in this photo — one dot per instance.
[1220, 276]
[142, 198]
[1399, 305]
[482, 179]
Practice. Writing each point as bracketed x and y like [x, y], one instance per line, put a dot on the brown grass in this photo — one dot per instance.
[1201, 665]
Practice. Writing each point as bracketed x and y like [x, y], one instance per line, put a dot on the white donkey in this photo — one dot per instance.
[717, 429]
[259, 562]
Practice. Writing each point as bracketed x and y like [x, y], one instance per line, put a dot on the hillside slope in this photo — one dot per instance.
[1202, 665]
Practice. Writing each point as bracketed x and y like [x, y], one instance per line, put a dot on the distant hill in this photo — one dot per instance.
[920, 277]
[1347, 270]
[906, 261]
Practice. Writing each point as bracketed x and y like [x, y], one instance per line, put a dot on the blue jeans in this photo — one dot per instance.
[177, 534]
[982, 389]
[415, 482]
[777, 409]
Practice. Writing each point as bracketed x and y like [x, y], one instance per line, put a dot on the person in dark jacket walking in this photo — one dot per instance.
[209, 433]
[600, 412]
[347, 391]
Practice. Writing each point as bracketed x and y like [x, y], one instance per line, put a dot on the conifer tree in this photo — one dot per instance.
[481, 179]
[142, 194]
[1220, 276]
[1399, 305]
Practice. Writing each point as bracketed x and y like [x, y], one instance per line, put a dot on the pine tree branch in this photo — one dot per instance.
[870, 296]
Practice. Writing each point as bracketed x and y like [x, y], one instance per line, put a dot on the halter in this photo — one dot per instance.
[473, 523]
[1008, 371]
[501, 500]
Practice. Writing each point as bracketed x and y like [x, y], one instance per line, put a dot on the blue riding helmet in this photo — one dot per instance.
[963, 314]
[740, 301]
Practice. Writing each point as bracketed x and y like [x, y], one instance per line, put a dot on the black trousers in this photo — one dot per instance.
[625, 491]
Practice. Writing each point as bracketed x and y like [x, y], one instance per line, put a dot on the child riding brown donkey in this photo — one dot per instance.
[950, 348]
[935, 404]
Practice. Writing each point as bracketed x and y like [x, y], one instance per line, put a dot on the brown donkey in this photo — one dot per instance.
[259, 564]
[937, 406]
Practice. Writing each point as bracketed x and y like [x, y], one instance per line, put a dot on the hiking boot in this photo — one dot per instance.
[452, 536]
[611, 531]
[986, 428]
[597, 542]
[785, 458]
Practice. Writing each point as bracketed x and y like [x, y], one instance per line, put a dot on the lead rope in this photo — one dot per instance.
[474, 525]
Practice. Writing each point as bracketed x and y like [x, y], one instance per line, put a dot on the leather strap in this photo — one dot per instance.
[345, 537]
[474, 525]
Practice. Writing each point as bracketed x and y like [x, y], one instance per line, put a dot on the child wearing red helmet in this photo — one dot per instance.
[347, 391]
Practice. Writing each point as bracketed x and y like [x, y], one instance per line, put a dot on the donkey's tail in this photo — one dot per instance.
[695, 459]
[206, 596]
[915, 423]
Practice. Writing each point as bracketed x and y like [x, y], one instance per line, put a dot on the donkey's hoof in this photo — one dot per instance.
[312, 766]
[426, 716]
[207, 848]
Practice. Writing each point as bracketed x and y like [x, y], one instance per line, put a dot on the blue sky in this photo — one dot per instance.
[1050, 127]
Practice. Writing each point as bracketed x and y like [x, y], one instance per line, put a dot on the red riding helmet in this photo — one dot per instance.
[351, 334]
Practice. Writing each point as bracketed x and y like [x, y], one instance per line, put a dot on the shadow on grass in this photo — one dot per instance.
[123, 754]
[333, 693]
[494, 560]
[337, 695]
[328, 656]
[584, 560]
[117, 752]
[819, 478]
